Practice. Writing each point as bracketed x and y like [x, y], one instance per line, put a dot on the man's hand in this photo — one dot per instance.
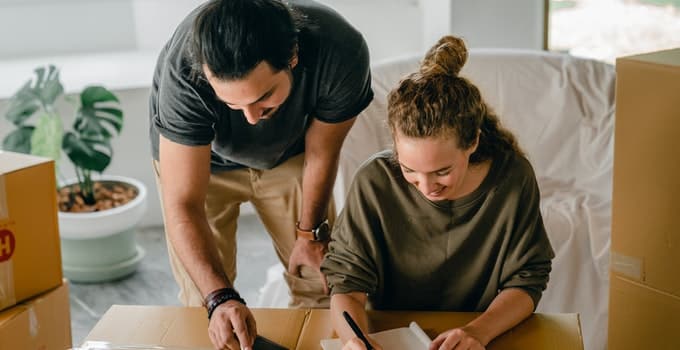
[232, 324]
[308, 253]
[357, 344]
[459, 339]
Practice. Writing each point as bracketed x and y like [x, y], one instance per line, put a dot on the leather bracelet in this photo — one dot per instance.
[219, 297]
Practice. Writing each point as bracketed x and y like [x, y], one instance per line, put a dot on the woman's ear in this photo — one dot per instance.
[474, 146]
[293, 60]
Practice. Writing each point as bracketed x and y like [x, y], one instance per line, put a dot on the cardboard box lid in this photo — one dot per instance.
[540, 331]
[10, 161]
[186, 327]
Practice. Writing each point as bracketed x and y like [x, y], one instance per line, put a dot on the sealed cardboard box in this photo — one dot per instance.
[171, 327]
[645, 228]
[643, 317]
[30, 260]
[40, 323]
[540, 331]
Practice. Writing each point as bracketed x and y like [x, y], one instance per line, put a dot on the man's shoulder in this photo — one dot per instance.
[327, 28]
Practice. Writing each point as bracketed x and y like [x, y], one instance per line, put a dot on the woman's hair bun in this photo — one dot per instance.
[447, 57]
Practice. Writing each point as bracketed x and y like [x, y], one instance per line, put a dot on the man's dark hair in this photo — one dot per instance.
[231, 37]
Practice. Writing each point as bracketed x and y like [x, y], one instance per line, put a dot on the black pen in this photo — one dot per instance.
[356, 329]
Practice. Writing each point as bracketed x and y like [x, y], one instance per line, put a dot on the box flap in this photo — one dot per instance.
[185, 327]
[10, 161]
[540, 331]
[666, 57]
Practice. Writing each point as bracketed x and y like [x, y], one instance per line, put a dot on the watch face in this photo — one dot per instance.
[323, 232]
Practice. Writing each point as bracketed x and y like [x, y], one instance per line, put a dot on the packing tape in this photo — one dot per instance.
[628, 266]
[33, 323]
[7, 294]
[102, 345]
[4, 211]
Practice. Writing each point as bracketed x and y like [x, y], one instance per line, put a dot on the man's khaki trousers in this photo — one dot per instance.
[276, 195]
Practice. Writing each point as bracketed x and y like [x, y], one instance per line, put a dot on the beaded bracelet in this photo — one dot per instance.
[219, 297]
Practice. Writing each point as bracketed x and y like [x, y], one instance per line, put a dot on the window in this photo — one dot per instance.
[607, 29]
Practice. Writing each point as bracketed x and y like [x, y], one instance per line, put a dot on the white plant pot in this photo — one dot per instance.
[100, 246]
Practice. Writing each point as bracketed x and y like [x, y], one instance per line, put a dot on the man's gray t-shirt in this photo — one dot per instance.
[331, 83]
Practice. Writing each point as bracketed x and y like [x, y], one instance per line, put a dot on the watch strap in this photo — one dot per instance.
[306, 234]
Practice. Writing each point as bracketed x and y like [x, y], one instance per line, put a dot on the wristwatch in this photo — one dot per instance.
[322, 233]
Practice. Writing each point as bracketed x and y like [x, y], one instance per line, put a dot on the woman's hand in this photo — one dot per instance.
[357, 344]
[457, 339]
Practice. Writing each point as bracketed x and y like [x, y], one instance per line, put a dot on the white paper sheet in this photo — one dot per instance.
[405, 338]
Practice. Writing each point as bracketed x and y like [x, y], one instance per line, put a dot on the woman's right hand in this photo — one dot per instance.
[232, 323]
[357, 344]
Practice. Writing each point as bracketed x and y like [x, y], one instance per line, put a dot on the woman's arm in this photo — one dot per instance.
[355, 304]
[509, 308]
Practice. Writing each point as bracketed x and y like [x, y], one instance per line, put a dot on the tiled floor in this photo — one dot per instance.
[153, 283]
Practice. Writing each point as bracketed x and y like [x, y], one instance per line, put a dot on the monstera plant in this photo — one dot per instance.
[87, 144]
[97, 213]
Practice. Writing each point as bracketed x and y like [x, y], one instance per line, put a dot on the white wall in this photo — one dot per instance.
[486, 23]
[134, 30]
[39, 27]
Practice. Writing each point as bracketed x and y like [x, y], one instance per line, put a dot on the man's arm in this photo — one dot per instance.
[322, 153]
[185, 173]
[323, 142]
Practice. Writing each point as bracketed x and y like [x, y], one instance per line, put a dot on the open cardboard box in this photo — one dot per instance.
[540, 331]
[174, 327]
[180, 328]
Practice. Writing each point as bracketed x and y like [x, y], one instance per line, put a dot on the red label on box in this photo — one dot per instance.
[7, 244]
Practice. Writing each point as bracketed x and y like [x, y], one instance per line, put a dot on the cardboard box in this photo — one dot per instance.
[653, 317]
[41, 323]
[182, 327]
[303, 329]
[645, 228]
[30, 258]
[540, 331]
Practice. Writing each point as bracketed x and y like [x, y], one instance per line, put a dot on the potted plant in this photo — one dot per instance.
[97, 213]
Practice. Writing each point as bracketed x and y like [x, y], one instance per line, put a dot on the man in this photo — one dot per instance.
[251, 101]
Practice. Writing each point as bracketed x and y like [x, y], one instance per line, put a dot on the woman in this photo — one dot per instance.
[449, 220]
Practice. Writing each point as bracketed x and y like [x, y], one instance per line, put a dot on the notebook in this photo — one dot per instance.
[405, 338]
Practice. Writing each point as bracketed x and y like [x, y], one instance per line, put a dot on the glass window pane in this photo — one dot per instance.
[606, 29]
